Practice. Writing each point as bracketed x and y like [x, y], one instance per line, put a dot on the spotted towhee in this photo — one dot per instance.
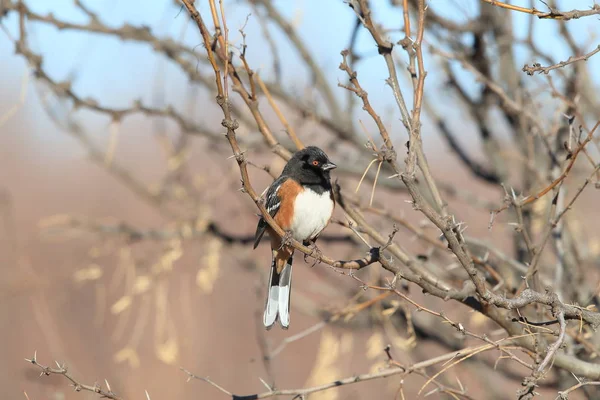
[301, 202]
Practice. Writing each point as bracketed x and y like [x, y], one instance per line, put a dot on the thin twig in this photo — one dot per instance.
[531, 70]
[552, 14]
[77, 386]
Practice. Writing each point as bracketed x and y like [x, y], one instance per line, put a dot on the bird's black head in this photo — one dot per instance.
[309, 165]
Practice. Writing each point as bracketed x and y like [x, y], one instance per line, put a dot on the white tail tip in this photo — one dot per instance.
[271, 308]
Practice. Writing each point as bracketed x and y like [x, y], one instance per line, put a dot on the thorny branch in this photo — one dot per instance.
[571, 157]
[396, 370]
[530, 70]
[61, 369]
[552, 14]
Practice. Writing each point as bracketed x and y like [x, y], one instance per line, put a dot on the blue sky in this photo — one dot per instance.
[118, 72]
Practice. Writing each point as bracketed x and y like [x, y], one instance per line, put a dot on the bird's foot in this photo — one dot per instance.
[286, 239]
[315, 253]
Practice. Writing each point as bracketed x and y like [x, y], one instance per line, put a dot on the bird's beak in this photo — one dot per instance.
[328, 166]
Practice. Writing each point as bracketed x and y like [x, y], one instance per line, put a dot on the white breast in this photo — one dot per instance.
[312, 212]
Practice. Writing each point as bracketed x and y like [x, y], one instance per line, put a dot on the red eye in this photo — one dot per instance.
[315, 163]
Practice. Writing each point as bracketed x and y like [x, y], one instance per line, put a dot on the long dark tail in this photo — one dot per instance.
[277, 306]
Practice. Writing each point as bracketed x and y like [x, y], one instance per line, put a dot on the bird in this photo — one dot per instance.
[301, 201]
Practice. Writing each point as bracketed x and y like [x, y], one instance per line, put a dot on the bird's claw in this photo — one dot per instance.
[315, 253]
[286, 239]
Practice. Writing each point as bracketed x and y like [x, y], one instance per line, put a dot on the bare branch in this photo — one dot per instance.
[61, 369]
[531, 70]
[552, 14]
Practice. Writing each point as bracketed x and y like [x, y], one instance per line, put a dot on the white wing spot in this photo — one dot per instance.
[273, 207]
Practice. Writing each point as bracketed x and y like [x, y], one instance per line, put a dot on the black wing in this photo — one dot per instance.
[272, 204]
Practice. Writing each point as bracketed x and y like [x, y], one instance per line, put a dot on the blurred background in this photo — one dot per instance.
[125, 244]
